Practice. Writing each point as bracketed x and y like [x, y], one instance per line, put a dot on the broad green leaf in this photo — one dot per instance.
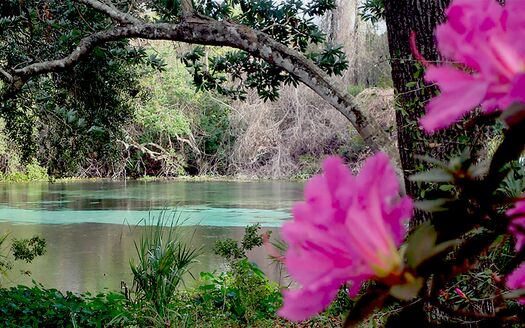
[432, 175]
[420, 244]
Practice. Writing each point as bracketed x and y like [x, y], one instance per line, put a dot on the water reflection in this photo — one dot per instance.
[94, 252]
[90, 257]
[203, 203]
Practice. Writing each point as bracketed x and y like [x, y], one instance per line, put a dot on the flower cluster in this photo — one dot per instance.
[347, 230]
[483, 41]
[482, 38]
[516, 280]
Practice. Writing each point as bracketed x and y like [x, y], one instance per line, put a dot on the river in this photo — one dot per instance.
[90, 227]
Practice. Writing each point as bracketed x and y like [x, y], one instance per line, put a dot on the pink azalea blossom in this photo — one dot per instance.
[348, 229]
[516, 280]
[517, 225]
[483, 40]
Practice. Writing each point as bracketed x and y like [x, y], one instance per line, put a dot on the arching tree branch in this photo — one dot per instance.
[8, 78]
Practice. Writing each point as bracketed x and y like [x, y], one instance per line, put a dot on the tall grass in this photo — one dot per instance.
[163, 261]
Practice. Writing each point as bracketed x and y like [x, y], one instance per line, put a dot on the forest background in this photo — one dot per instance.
[116, 116]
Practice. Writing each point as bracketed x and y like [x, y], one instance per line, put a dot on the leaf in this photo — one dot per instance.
[443, 247]
[420, 244]
[446, 187]
[517, 293]
[408, 291]
[432, 175]
[435, 205]
[431, 160]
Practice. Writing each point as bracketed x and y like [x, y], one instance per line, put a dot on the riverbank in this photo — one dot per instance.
[25, 178]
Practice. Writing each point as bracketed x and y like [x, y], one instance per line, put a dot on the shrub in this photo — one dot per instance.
[23, 306]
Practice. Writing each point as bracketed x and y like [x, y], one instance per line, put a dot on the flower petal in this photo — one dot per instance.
[516, 280]
[302, 304]
[460, 93]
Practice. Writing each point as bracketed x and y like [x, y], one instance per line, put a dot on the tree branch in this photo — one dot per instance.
[111, 11]
[8, 78]
[186, 8]
[206, 31]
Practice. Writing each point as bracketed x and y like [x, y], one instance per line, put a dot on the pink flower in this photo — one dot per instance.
[460, 293]
[482, 37]
[516, 280]
[517, 225]
[347, 230]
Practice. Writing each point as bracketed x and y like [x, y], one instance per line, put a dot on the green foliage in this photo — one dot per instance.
[243, 294]
[28, 249]
[166, 94]
[76, 122]
[355, 89]
[332, 60]
[193, 128]
[38, 307]
[21, 249]
[290, 22]
[5, 263]
[214, 122]
[514, 183]
[76, 115]
[372, 10]
[33, 172]
[230, 249]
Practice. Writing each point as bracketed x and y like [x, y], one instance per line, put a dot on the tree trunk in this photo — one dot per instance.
[421, 17]
[365, 46]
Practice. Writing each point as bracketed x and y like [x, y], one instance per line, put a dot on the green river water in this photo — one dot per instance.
[90, 226]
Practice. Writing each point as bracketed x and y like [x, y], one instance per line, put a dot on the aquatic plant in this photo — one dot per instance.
[164, 258]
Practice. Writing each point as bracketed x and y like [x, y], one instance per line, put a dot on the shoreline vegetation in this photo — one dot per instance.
[42, 176]
[162, 295]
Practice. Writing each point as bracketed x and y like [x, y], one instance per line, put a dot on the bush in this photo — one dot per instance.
[243, 294]
[32, 172]
[355, 89]
[23, 306]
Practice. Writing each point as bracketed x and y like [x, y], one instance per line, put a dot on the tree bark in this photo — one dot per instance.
[421, 17]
